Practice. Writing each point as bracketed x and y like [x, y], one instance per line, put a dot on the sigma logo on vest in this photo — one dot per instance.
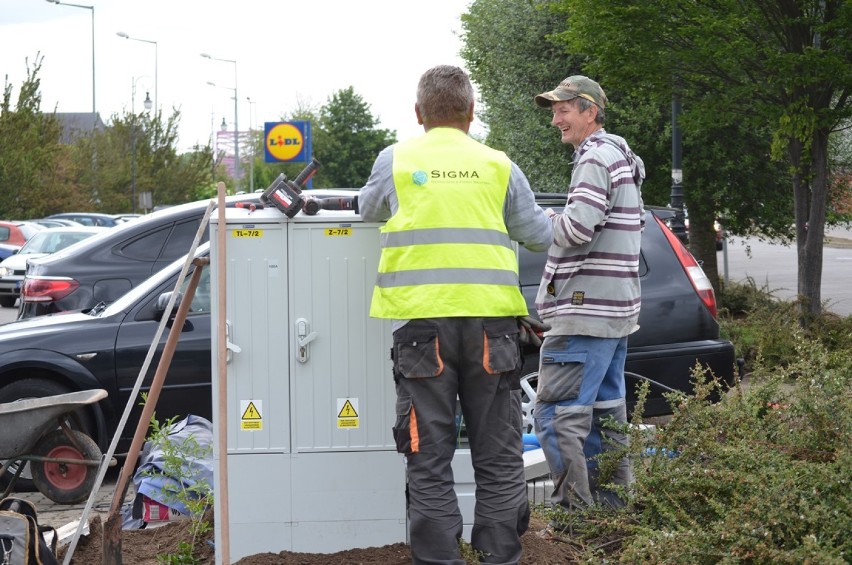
[436, 174]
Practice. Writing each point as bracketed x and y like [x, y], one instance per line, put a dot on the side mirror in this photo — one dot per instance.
[163, 302]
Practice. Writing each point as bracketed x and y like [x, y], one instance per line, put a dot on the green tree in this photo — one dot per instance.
[347, 140]
[140, 150]
[782, 69]
[30, 154]
[513, 52]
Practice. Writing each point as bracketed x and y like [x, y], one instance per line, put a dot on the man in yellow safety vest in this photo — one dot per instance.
[448, 278]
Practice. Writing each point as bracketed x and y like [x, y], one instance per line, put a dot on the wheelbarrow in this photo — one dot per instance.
[63, 461]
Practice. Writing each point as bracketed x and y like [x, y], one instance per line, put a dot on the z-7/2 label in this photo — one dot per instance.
[248, 233]
[338, 231]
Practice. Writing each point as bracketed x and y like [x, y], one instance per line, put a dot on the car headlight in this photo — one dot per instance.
[5, 271]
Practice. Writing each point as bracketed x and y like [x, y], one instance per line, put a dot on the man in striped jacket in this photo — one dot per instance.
[590, 296]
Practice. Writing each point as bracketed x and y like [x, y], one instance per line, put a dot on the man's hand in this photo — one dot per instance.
[531, 330]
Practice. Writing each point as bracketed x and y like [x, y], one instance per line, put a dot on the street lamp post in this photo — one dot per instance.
[236, 121]
[224, 128]
[252, 141]
[156, 56]
[147, 105]
[92, 8]
[676, 197]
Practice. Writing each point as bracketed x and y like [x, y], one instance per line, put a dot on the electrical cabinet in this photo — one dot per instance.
[311, 461]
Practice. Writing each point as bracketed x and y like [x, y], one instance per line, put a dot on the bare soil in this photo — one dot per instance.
[141, 547]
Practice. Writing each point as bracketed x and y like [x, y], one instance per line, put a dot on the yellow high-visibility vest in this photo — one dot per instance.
[446, 251]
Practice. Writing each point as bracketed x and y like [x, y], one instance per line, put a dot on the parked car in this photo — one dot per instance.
[55, 223]
[17, 233]
[109, 264]
[43, 243]
[87, 218]
[7, 250]
[120, 218]
[105, 347]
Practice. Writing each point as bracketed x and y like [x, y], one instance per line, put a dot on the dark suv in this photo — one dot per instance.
[106, 266]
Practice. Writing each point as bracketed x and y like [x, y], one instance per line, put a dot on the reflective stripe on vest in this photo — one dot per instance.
[445, 251]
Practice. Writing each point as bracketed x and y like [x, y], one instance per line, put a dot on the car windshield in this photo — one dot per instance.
[149, 284]
[51, 242]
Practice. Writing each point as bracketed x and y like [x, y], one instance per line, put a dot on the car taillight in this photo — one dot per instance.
[47, 289]
[696, 275]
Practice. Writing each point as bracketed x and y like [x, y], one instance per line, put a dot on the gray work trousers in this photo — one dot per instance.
[440, 363]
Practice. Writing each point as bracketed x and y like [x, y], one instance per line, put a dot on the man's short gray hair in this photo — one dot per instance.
[583, 105]
[444, 94]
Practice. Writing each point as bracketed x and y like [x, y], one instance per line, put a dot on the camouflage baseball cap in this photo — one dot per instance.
[576, 86]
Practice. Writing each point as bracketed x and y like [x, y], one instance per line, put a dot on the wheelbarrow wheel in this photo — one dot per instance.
[65, 483]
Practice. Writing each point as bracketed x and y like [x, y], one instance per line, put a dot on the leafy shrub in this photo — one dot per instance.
[762, 475]
[764, 329]
[179, 457]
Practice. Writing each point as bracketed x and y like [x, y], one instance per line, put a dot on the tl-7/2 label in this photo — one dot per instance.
[248, 233]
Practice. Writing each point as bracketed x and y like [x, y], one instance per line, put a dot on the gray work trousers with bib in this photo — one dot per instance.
[475, 362]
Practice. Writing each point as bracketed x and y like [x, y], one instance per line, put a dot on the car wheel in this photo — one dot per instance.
[8, 301]
[528, 386]
[22, 390]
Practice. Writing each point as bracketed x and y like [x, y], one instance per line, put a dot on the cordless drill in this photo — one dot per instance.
[285, 194]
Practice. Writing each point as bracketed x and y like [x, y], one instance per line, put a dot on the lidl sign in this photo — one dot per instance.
[288, 141]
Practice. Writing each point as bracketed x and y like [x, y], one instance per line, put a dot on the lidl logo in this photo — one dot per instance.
[288, 141]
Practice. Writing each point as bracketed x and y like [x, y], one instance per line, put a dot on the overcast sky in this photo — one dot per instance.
[287, 52]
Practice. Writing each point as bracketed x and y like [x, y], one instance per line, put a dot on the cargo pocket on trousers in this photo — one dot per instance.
[405, 428]
[560, 376]
[417, 351]
[500, 351]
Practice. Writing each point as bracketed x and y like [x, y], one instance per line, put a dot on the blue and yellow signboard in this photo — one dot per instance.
[288, 142]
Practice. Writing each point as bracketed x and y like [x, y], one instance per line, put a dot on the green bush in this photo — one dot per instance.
[764, 329]
[179, 457]
[762, 475]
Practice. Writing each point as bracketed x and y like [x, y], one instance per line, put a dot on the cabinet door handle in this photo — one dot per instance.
[304, 336]
[229, 345]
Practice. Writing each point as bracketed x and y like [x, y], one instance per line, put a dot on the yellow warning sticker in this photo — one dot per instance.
[251, 418]
[347, 414]
[341, 231]
[247, 233]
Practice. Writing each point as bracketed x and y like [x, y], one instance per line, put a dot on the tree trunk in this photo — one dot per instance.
[810, 191]
[810, 262]
[702, 239]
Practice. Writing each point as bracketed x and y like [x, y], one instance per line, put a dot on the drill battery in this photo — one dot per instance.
[284, 196]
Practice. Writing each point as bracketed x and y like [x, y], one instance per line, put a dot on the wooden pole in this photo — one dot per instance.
[112, 524]
[222, 516]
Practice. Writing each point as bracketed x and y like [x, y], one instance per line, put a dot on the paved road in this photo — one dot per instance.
[774, 267]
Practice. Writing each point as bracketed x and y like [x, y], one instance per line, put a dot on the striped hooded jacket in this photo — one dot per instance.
[590, 285]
